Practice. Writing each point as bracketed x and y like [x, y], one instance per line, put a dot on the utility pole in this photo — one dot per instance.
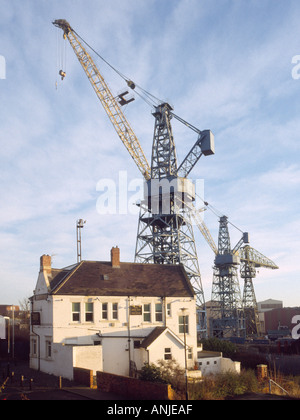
[185, 358]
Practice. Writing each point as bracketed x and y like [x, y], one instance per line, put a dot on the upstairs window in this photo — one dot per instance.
[115, 311]
[147, 312]
[104, 310]
[158, 312]
[184, 324]
[76, 312]
[89, 312]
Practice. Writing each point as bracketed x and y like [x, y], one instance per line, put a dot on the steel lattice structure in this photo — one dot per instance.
[165, 232]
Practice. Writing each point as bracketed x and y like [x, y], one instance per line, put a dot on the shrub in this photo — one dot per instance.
[224, 385]
[151, 373]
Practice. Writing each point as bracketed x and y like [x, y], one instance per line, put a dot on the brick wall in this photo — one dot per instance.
[133, 388]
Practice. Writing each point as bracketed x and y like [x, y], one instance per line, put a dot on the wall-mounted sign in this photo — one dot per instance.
[35, 318]
[136, 310]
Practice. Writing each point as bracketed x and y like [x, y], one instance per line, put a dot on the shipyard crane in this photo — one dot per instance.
[250, 261]
[227, 314]
[231, 314]
[165, 233]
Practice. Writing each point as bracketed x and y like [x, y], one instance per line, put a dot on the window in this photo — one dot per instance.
[48, 349]
[169, 309]
[190, 354]
[183, 322]
[147, 312]
[136, 344]
[34, 346]
[104, 310]
[89, 312]
[158, 312]
[168, 354]
[76, 312]
[115, 311]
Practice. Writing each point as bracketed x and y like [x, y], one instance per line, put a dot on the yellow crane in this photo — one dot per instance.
[108, 101]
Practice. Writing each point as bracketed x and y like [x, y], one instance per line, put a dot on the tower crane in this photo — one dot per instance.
[165, 233]
[233, 315]
[250, 261]
[228, 316]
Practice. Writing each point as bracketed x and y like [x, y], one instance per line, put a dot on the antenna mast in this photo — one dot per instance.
[79, 225]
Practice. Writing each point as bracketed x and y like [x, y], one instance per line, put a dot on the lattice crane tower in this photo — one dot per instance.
[165, 232]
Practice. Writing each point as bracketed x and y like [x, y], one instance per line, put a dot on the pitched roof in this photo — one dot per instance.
[94, 278]
[152, 336]
[157, 332]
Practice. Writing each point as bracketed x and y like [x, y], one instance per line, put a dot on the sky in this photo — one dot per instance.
[230, 66]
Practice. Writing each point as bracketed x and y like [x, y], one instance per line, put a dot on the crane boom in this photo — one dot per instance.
[255, 258]
[107, 99]
[203, 228]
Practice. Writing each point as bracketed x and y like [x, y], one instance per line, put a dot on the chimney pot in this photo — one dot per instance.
[115, 257]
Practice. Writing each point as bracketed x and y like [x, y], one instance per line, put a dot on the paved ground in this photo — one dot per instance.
[40, 386]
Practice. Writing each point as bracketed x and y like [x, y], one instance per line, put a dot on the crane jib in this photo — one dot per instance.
[108, 101]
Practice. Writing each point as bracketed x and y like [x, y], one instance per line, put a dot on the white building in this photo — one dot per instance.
[112, 317]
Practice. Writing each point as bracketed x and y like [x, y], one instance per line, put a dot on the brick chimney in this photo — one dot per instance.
[45, 264]
[115, 257]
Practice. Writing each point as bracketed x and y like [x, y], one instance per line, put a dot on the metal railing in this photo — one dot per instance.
[276, 384]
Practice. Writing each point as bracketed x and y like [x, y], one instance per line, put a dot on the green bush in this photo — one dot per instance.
[151, 373]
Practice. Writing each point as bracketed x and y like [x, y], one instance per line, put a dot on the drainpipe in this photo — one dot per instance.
[129, 339]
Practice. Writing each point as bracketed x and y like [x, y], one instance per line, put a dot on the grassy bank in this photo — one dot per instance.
[227, 385]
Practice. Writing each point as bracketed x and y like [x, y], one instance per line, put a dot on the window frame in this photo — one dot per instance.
[167, 353]
[88, 312]
[48, 348]
[74, 312]
[147, 313]
[181, 323]
[104, 311]
[115, 311]
[158, 314]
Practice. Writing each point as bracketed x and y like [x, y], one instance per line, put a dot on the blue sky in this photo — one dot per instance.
[225, 65]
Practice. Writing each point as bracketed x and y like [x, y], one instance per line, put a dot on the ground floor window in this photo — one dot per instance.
[48, 349]
[34, 347]
[168, 353]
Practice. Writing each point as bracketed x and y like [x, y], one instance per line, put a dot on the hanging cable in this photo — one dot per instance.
[217, 212]
[150, 99]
